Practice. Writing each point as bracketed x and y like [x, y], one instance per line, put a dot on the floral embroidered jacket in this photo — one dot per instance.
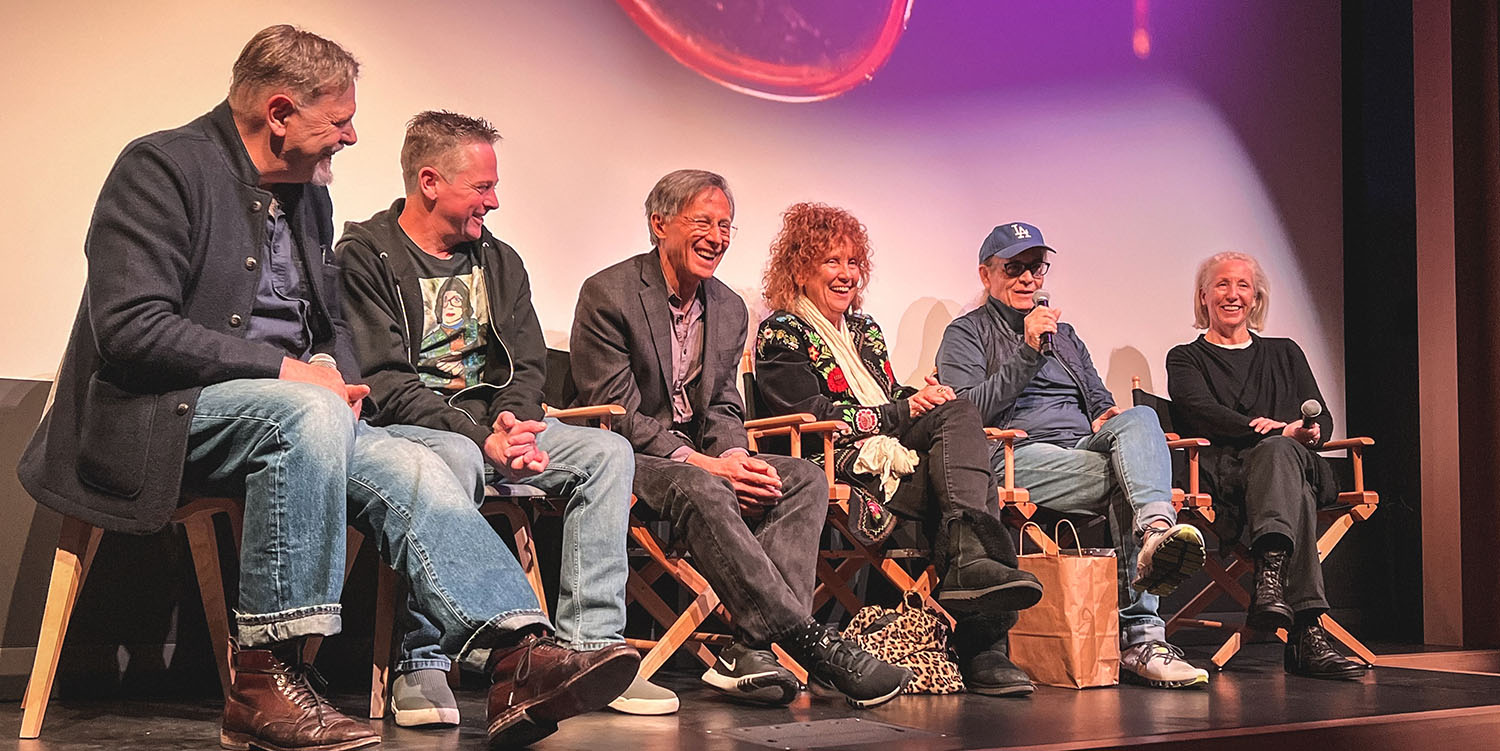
[795, 372]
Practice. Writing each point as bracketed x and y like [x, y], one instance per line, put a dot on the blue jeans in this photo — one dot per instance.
[593, 471]
[306, 469]
[1123, 471]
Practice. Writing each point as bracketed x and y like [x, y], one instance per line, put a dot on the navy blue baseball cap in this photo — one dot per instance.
[1010, 240]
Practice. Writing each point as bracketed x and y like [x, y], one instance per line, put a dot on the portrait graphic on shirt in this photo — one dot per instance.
[455, 318]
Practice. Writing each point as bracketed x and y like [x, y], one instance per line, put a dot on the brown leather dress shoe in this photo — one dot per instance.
[539, 683]
[273, 707]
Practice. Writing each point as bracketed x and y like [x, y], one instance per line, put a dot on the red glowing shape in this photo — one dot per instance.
[788, 50]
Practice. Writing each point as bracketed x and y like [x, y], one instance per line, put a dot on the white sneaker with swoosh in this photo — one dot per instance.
[752, 675]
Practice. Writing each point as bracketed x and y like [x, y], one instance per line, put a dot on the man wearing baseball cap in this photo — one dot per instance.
[1026, 370]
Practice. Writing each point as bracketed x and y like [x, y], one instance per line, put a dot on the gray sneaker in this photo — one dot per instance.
[1169, 555]
[1161, 665]
[422, 697]
[645, 697]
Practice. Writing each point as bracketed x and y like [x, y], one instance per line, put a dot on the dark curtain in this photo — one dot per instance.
[1476, 189]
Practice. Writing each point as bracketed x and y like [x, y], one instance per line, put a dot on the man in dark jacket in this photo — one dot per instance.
[658, 335]
[1026, 370]
[449, 340]
[209, 355]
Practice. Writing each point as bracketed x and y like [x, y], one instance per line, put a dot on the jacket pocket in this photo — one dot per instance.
[114, 438]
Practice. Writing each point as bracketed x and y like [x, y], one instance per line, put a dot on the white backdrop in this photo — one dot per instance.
[1134, 170]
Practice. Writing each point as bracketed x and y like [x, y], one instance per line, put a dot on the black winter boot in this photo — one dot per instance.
[1308, 653]
[982, 645]
[1268, 608]
[974, 582]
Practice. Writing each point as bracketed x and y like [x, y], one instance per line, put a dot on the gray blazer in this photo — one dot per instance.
[622, 354]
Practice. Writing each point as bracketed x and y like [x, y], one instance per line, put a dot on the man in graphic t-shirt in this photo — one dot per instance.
[447, 338]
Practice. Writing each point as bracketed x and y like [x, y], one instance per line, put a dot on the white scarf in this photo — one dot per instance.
[879, 455]
[862, 382]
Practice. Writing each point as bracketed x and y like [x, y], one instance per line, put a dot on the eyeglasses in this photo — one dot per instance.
[706, 226]
[1016, 268]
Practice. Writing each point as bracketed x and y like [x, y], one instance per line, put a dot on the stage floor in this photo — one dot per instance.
[1254, 704]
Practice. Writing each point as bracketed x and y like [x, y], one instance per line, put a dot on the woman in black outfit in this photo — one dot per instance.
[1244, 392]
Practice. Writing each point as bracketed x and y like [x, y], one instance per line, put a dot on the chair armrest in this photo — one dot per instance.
[1008, 490]
[590, 412]
[1356, 446]
[1187, 443]
[826, 426]
[780, 421]
[1009, 436]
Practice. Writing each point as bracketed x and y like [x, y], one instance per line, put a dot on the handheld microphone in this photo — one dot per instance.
[1310, 411]
[325, 360]
[1044, 299]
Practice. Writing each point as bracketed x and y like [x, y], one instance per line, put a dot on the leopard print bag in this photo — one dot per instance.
[912, 636]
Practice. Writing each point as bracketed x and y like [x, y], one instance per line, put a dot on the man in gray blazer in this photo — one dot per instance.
[658, 335]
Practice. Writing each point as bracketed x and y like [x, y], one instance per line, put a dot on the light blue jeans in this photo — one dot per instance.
[306, 469]
[591, 469]
[1125, 472]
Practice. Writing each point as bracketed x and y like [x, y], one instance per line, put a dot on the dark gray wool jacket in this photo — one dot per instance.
[173, 266]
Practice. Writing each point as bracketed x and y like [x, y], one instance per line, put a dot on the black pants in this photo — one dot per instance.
[953, 478]
[1279, 500]
[762, 569]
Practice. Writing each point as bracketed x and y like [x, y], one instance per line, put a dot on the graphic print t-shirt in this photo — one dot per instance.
[455, 321]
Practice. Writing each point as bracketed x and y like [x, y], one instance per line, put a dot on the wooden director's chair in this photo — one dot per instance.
[1225, 573]
[843, 557]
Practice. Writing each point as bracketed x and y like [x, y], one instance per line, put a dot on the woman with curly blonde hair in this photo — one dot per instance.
[915, 453]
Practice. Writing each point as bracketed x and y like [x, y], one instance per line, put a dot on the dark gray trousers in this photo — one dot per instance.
[953, 478]
[762, 569]
[1279, 500]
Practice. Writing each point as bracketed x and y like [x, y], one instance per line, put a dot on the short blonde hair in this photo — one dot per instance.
[1258, 309]
[286, 58]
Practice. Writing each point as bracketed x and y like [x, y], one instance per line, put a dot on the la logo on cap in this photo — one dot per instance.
[1019, 232]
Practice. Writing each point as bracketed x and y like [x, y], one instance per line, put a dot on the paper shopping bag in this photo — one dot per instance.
[1072, 637]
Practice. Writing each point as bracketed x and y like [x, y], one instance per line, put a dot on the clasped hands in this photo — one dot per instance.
[756, 483]
[512, 449]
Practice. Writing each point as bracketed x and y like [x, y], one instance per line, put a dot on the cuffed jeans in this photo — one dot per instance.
[764, 577]
[1279, 500]
[306, 469]
[593, 470]
[1123, 471]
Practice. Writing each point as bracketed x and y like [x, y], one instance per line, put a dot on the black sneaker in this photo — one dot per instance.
[752, 675]
[835, 663]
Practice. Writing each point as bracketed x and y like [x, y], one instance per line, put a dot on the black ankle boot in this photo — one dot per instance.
[1268, 609]
[1308, 653]
[977, 583]
[982, 645]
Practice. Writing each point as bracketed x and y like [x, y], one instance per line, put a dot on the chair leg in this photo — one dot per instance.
[520, 527]
[1340, 633]
[76, 544]
[386, 594]
[692, 616]
[353, 540]
[203, 545]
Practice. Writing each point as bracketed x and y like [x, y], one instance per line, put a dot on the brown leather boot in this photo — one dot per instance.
[539, 683]
[272, 706]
